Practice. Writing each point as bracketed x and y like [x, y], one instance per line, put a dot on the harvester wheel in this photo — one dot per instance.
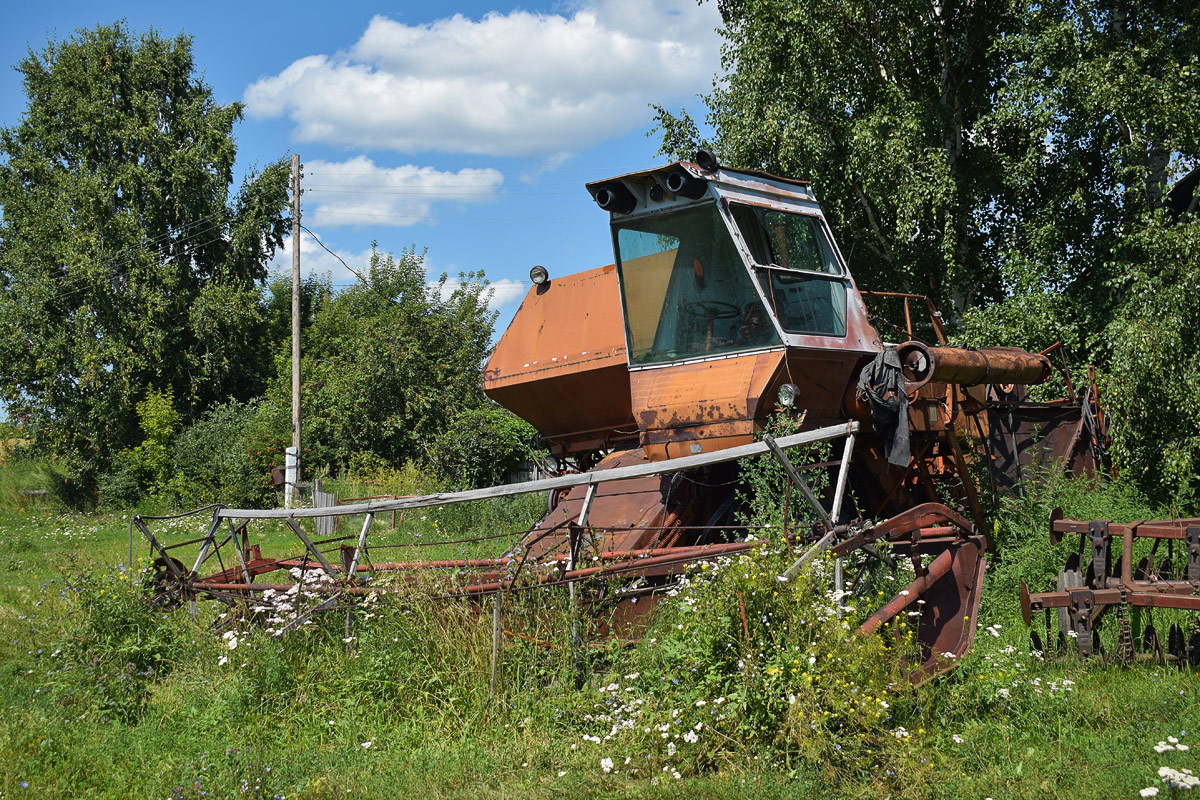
[167, 591]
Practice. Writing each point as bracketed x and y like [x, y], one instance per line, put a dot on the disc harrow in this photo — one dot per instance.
[1124, 585]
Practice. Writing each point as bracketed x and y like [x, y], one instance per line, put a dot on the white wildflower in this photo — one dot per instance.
[606, 764]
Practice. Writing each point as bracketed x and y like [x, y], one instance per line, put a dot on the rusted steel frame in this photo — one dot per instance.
[502, 561]
[921, 519]
[932, 535]
[310, 546]
[926, 444]
[921, 466]
[935, 316]
[798, 481]
[551, 579]
[566, 481]
[1174, 594]
[620, 568]
[964, 475]
[1158, 529]
[934, 571]
[923, 516]
[238, 549]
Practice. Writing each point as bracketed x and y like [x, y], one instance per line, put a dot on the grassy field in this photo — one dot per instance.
[104, 696]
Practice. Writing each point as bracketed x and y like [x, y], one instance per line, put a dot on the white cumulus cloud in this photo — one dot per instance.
[358, 192]
[504, 291]
[515, 83]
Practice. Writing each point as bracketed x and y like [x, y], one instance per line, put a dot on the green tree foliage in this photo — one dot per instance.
[225, 456]
[147, 467]
[315, 292]
[878, 103]
[1153, 387]
[126, 265]
[388, 363]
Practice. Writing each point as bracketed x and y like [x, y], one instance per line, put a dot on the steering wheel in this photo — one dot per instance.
[712, 309]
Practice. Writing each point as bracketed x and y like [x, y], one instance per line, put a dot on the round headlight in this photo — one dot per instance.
[789, 393]
[539, 275]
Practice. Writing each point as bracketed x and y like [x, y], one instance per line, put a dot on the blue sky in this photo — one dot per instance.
[466, 128]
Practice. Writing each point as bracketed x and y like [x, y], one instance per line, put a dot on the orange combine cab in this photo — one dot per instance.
[727, 286]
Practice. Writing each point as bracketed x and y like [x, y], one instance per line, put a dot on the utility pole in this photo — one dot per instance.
[293, 476]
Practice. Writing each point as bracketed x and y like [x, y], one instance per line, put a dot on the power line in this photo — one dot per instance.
[335, 255]
[320, 210]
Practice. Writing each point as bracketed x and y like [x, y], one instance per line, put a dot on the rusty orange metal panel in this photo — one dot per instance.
[683, 409]
[560, 365]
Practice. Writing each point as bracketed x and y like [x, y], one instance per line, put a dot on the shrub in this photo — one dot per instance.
[224, 457]
[481, 446]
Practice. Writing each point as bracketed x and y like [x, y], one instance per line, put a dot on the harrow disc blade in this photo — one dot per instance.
[1152, 644]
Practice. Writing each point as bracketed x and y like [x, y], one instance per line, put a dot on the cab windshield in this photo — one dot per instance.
[685, 290]
[795, 263]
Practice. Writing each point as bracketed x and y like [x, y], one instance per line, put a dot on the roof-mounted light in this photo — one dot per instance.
[681, 183]
[539, 275]
[615, 197]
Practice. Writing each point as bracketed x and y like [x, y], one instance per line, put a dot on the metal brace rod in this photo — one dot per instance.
[561, 482]
[822, 544]
[798, 481]
[575, 535]
[291, 521]
[208, 543]
[154, 545]
[237, 548]
[362, 542]
[839, 494]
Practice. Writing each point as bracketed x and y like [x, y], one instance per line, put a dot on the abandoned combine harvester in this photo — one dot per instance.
[728, 300]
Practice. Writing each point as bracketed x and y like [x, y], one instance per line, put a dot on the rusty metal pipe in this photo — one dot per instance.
[911, 593]
[923, 364]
